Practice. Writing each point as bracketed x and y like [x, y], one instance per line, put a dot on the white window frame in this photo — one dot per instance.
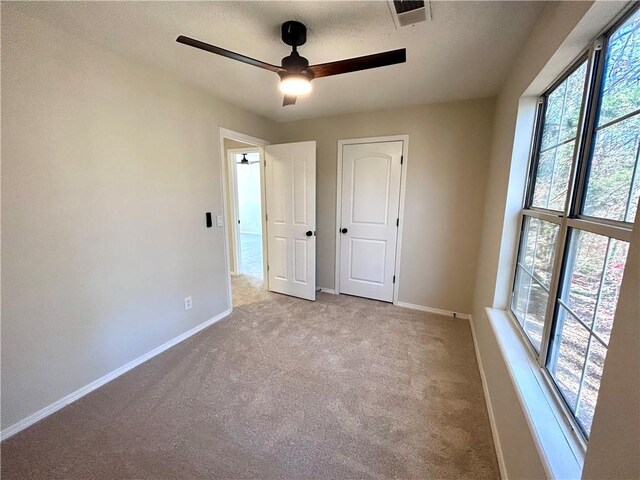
[570, 217]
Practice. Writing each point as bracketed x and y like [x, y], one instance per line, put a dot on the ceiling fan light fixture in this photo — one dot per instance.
[295, 72]
[295, 84]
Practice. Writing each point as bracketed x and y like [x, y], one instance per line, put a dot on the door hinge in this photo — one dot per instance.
[266, 216]
[394, 279]
[401, 159]
[238, 222]
[397, 222]
[267, 267]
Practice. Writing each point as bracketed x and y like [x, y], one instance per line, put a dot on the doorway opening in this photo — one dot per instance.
[287, 235]
[242, 167]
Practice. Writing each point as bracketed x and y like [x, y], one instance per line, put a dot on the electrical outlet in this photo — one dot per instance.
[188, 303]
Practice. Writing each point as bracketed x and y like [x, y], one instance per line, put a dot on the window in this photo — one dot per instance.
[582, 199]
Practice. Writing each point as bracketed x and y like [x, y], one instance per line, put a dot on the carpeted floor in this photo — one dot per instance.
[283, 388]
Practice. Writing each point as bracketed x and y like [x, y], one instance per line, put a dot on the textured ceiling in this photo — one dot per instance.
[464, 52]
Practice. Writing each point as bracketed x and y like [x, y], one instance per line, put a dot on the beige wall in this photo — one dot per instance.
[562, 31]
[448, 154]
[108, 168]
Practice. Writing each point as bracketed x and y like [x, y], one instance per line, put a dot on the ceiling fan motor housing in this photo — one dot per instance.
[294, 34]
[294, 63]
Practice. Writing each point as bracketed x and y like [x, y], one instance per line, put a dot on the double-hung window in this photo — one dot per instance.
[581, 202]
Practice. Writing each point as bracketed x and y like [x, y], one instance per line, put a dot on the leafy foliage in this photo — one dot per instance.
[613, 185]
[559, 132]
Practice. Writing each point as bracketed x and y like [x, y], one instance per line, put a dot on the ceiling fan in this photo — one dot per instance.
[295, 72]
[245, 161]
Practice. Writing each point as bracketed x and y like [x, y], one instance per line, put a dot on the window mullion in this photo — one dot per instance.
[534, 155]
[590, 113]
[607, 257]
[561, 240]
[542, 215]
[606, 229]
[633, 181]
[564, 142]
[617, 120]
[583, 141]
[583, 374]
[530, 273]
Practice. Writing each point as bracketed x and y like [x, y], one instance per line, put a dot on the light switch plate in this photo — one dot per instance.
[219, 220]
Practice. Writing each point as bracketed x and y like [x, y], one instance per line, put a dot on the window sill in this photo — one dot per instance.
[560, 452]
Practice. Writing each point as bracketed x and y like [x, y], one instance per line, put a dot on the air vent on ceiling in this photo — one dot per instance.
[408, 12]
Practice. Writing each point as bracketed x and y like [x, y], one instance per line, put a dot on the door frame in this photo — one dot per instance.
[403, 182]
[236, 266]
[224, 175]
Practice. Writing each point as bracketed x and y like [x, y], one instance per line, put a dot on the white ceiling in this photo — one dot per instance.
[464, 52]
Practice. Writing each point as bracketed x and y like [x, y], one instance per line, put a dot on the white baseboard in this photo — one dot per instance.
[72, 397]
[328, 290]
[492, 420]
[448, 313]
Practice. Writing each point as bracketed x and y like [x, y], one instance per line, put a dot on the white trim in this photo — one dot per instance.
[560, 452]
[236, 268]
[487, 397]
[437, 311]
[328, 290]
[403, 187]
[72, 397]
[241, 137]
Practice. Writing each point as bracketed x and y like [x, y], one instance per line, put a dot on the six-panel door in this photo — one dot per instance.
[290, 175]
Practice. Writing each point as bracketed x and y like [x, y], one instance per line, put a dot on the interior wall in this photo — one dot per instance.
[108, 168]
[448, 157]
[562, 31]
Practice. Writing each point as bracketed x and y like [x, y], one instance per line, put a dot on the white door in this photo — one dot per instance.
[290, 174]
[370, 201]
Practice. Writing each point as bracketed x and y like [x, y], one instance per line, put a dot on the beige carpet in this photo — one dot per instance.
[283, 388]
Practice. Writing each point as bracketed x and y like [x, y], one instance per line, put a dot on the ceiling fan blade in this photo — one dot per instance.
[376, 60]
[289, 100]
[227, 53]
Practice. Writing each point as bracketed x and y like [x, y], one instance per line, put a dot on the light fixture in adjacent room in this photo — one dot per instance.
[245, 161]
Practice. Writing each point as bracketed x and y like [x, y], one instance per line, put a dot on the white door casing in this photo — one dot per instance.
[369, 218]
[290, 174]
